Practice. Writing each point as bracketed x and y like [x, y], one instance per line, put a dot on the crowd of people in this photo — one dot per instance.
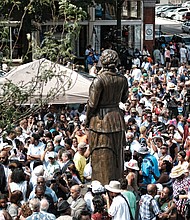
[45, 160]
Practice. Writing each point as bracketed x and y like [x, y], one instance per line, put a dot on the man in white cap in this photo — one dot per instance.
[119, 208]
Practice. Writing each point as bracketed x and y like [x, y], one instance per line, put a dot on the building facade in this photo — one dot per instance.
[137, 26]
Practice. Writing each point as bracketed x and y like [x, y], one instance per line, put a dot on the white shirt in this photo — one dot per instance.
[119, 209]
[183, 52]
[19, 186]
[136, 74]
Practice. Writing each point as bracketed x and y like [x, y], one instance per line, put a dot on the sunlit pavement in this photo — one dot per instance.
[162, 21]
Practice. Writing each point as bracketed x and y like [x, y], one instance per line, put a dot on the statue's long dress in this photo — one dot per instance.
[107, 126]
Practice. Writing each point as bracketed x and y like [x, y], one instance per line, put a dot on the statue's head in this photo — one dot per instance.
[109, 59]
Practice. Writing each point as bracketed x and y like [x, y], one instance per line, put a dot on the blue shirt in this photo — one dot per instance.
[48, 191]
[149, 165]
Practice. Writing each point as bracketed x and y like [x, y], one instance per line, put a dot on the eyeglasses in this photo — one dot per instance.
[40, 182]
[158, 141]
[149, 116]
[163, 148]
[2, 157]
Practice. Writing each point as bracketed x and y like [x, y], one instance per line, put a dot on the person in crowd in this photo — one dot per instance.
[35, 149]
[64, 210]
[67, 161]
[49, 150]
[181, 184]
[68, 146]
[48, 190]
[75, 176]
[95, 188]
[165, 170]
[181, 157]
[52, 166]
[132, 175]
[18, 182]
[4, 206]
[99, 208]
[60, 186]
[149, 208]
[57, 143]
[80, 160]
[15, 199]
[76, 201]
[119, 207]
[44, 206]
[35, 207]
[164, 155]
[165, 202]
[25, 211]
[149, 168]
[130, 196]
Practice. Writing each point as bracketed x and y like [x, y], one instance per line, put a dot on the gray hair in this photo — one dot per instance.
[34, 204]
[44, 204]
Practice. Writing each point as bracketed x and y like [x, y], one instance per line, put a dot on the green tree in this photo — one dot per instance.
[31, 14]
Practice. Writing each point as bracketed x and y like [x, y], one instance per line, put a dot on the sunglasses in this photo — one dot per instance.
[40, 182]
[163, 148]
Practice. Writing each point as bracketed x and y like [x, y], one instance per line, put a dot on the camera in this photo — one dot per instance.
[53, 181]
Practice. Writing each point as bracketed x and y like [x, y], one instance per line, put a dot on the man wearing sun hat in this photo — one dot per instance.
[119, 208]
[181, 182]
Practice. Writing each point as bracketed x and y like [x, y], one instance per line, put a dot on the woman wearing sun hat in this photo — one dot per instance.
[181, 182]
[132, 168]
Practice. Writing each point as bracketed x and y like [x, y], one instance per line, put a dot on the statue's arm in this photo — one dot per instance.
[94, 96]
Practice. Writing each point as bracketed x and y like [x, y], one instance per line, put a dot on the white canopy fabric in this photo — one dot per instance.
[76, 86]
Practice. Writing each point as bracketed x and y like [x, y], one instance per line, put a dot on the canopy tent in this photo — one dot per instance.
[76, 87]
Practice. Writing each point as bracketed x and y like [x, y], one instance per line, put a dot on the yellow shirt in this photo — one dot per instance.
[80, 163]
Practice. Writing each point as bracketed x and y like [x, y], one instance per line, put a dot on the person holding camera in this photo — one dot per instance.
[172, 100]
[59, 186]
[181, 182]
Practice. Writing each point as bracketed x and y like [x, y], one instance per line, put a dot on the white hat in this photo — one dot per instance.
[159, 187]
[134, 66]
[132, 164]
[39, 170]
[147, 93]
[177, 171]
[51, 155]
[82, 145]
[171, 86]
[114, 186]
[5, 146]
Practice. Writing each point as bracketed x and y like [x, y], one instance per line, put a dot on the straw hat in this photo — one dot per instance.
[114, 186]
[177, 171]
[147, 93]
[171, 86]
[6, 147]
[132, 164]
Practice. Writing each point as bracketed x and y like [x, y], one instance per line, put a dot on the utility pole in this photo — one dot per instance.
[119, 4]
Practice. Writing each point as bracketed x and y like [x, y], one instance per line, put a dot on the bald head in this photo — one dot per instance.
[4, 157]
[75, 191]
[151, 189]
